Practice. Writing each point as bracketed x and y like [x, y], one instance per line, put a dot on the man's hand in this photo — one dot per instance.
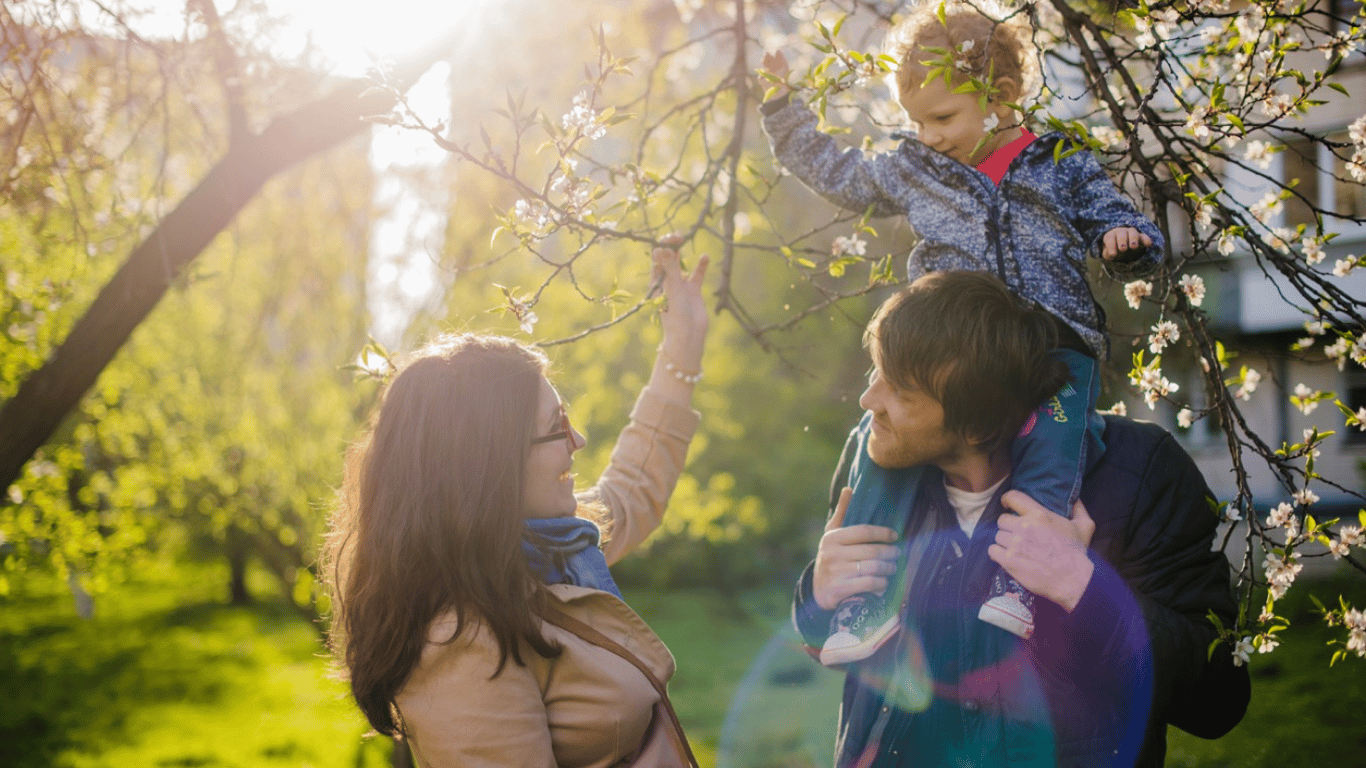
[851, 560]
[1044, 551]
[1120, 240]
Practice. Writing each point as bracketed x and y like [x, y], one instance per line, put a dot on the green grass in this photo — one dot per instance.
[166, 674]
[1303, 711]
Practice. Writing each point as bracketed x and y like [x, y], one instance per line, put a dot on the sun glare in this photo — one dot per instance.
[352, 34]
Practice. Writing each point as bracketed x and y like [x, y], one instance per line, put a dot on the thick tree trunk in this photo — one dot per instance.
[50, 393]
[238, 546]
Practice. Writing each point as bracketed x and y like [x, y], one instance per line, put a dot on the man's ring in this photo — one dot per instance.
[858, 564]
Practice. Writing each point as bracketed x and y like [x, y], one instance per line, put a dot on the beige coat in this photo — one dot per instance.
[588, 708]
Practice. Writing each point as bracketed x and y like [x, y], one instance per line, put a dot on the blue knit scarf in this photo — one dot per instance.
[564, 550]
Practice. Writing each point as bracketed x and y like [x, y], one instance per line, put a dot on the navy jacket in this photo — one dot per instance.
[1034, 231]
[1095, 687]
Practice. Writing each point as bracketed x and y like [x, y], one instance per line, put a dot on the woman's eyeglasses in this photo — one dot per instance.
[565, 432]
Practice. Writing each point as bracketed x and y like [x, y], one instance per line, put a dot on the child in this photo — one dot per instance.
[983, 193]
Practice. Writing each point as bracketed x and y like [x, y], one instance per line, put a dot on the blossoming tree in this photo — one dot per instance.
[1179, 98]
[1176, 97]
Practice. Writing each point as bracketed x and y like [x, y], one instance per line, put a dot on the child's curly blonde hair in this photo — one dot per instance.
[998, 45]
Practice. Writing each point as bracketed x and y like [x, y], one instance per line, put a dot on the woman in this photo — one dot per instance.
[473, 608]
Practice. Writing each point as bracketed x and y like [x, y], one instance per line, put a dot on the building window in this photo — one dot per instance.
[1324, 182]
[1355, 398]
[1342, 14]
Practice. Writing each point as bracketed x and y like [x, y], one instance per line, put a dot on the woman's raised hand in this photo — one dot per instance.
[684, 317]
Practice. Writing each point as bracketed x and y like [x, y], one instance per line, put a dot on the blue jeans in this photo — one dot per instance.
[1050, 456]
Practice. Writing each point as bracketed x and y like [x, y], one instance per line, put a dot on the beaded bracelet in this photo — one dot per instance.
[676, 372]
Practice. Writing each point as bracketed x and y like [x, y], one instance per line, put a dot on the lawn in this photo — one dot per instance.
[166, 674]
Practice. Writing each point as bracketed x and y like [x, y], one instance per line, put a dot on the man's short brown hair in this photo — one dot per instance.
[975, 347]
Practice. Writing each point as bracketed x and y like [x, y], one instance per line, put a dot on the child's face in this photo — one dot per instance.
[953, 123]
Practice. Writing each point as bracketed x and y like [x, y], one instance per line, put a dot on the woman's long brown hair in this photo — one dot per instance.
[430, 516]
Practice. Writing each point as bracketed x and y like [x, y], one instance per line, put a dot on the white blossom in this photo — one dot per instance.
[1356, 630]
[1280, 239]
[1204, 213]
[1344, 267]
[1250, 22]
[1337, 351]
[1358, 352]
[1350, 535]
[1281, 573]
[1307, 399]
[1164, 333]
[1313, 252]
[1135, 291]
[1194, 288]
[1277, 105]
[533, 212]
[1357, 130]
[1145, 38]
[1338, 548]
[1184, 418]
[1305, 496]
[1316, 327]
[1259, 153]
[1280, 514]
[851, 245]
[1357, 168]
[583, 119]
[1268, 645]
[1249, 385]
[1118, 409]
[528, 320]
[1242, 652]
[1226, 243]
[1361, 418]
[1196, 123]
[1264, 209]
[990, 122]
[1153, 385]
[1108, 137]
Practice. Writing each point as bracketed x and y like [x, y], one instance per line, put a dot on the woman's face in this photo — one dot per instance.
[548, 487]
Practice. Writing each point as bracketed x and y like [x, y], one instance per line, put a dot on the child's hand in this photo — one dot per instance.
[1121, 240]
[776, 63]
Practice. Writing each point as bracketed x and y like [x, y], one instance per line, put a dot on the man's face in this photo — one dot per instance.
[908, 427]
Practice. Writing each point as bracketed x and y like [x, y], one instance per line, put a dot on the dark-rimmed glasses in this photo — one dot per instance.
[565, 432]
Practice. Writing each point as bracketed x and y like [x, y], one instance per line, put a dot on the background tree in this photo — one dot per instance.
[574, 146]
[1180, 99]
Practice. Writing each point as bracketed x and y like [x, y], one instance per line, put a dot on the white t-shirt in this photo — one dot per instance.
[969, 505]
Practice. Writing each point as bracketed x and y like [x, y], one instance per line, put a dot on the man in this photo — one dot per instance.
[1120, 644]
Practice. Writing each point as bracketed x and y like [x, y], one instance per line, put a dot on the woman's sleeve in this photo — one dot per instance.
[459, 717]
[643, 470]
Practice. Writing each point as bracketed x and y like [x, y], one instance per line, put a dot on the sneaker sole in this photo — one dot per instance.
[850, 653]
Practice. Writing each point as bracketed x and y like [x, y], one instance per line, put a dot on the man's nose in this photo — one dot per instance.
[865, 400]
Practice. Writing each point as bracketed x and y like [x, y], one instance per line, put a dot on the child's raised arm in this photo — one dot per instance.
[776, 64]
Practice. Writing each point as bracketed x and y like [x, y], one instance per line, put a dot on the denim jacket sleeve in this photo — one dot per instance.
[1100, 207]
[843, 176]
